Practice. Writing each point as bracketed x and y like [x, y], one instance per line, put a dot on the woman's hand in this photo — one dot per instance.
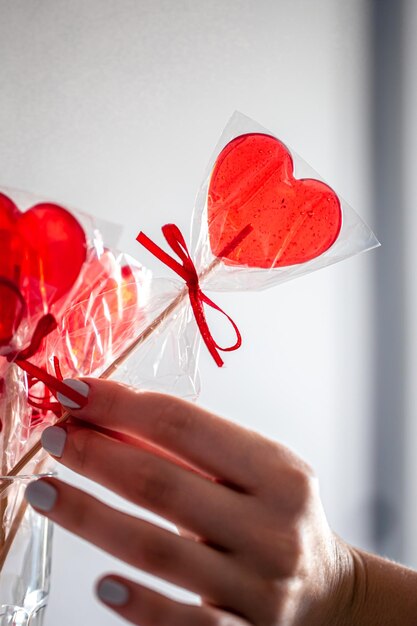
[257, 547]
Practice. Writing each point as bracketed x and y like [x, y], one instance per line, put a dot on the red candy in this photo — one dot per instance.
[103, 316]
[41, 254]
[293, 220]
[12, 311]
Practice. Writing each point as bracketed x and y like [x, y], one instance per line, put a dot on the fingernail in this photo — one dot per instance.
[77, 385]
[41, 495]
[53, 440]
[112, 592]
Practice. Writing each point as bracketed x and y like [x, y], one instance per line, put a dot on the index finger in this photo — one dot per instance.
[204, 440]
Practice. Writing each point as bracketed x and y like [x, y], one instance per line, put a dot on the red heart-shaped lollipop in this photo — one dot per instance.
[103, 318]
[41, 254]
[293, 220]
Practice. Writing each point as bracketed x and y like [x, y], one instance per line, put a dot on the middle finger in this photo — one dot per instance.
[193, 566]
[157, 484]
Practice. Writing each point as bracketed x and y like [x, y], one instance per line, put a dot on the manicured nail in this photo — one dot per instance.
[112, 592]
[41, 495]
[77, 385]
[53, 440]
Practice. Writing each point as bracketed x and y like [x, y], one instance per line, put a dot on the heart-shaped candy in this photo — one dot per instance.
[293, 220]
[44, 245]
[41, 254]
[104, 317]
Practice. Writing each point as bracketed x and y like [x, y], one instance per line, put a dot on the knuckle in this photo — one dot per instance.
[286, 559]
[111, 400]
[301, 483]
[215, 618]
[212, 616]
[155, 613]
[173, 420]
[82, 445]
[294, 492]
[276, 603]
[153, 488]
[155, 556]
[291, 558]
[80, 516]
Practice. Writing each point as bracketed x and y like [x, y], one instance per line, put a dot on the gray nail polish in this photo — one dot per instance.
[41, 495]
[77, 385]
[53, 440]
[112, 592]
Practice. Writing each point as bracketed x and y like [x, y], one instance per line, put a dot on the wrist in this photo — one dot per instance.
[377, 592]
[336, 587]
[349, 587]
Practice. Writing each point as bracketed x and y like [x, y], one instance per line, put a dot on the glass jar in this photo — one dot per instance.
[25, 556]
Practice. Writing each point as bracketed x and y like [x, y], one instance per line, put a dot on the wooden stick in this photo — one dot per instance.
[5, 549]
[12, 533]
[8, 420]
[4, 469]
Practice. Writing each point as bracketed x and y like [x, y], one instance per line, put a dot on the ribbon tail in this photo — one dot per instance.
[197, 299]
[46, 325]
[200, 317]
[51, 382]
[57, 369]
[42, 405]
[238, 342]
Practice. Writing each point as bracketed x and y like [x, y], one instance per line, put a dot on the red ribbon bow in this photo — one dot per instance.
[187, 270]
[46, 324]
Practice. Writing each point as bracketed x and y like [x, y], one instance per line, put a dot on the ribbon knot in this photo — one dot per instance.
[187, 270]
[45, 325]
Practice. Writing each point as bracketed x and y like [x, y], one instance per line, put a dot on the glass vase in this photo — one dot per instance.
[25, 556]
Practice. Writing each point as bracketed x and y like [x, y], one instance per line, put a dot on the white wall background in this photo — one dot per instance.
[114, 107]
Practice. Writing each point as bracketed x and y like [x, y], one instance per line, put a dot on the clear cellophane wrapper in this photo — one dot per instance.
[250, 181]
[112, 301]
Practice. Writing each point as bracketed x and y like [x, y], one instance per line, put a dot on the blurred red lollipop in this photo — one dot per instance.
[55, 246]
[41, 254]
[100, 320]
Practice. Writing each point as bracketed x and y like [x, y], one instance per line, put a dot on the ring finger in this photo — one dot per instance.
[191, 565]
